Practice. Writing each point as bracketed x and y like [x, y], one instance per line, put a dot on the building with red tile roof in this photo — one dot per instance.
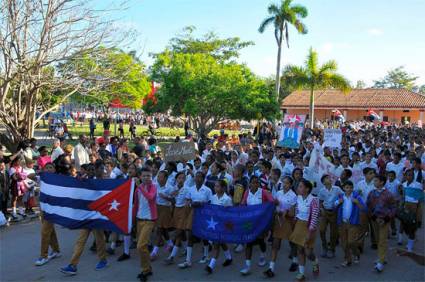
[393, 105]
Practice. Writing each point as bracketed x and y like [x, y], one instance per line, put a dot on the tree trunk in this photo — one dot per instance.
[279, 52]
[312, 108]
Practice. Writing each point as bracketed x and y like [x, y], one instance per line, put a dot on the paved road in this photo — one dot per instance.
[19, 247]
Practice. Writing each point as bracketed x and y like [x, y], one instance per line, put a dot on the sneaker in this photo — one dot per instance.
[239, 248]
[316, 269]
[41, 261]
[203, 260]
[208, 269]
[169, 261]
[330, 254]
[185, 265]
[262, 262]
[123, 257]
[153, 257]
[346, 264]
[300, 277]
[293, 267]
[110, 251]
[101, 264]
[142, 277]
[379, 267]
[69, 270]
[269, 273]
[54, 255]
[149, 273]
[245, 271]
[356, 260]
[227, 262]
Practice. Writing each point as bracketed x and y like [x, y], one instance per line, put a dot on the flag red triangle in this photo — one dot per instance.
[117, 206]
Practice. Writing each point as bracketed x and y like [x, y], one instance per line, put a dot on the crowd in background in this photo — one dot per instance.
[242, 170]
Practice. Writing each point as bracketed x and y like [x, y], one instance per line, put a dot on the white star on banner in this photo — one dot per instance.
[211, 224]
[114, 205]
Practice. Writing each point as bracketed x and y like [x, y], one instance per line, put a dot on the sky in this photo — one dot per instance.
[366, 37]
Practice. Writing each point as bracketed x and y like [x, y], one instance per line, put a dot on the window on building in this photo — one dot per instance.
[405, 119]
[406, 111]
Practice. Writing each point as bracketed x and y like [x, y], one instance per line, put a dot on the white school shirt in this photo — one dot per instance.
[414, 185]
[286, 200]
[256, 198]
[397, 168]
[203, 195]
[275, 187]
[347, 208]
[167, 191]
[181, 196]
[364, 189]
[393, 187]
[224, 200]
[364, 165]
[329, 196]
[302, 211]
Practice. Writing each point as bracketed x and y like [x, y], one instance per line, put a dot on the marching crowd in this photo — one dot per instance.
[244, 170]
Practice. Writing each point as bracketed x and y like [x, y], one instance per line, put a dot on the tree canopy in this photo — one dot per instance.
[397, 78]
[112, 74]
[208, 86]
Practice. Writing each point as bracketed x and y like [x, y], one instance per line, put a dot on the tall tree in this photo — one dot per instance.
[397, 78]
[313, 76]
[281, 16]
[36, 36]
[119, 75]
[209, 91]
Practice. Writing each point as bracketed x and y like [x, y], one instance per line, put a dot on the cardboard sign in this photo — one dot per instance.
[182, 151]
[332, 137]
[292, 130]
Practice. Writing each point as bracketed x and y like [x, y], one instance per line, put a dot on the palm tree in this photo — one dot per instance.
[281, 17]
[314, 76]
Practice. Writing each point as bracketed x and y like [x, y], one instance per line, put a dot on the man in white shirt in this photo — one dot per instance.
[81, 155]
[56, 150]
[396, 165]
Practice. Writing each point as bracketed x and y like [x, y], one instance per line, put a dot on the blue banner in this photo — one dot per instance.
[241, 224]
[414, 193]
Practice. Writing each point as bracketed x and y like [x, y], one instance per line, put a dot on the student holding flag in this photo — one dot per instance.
[196, 195]
[220, 198]
[71, 268]
[146, 215]
[254, 196]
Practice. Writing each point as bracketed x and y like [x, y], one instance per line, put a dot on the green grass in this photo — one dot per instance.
[79, 129]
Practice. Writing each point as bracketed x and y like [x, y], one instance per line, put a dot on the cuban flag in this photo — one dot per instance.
[89, 203]
[338, 115]
[373, 115]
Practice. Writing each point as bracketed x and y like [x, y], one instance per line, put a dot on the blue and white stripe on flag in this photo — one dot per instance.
[68, 201]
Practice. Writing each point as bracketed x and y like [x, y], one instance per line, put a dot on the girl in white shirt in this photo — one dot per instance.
[254, 196]
[285, 201]
[222, 199]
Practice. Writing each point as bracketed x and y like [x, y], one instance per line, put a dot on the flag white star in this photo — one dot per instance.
[211, 224]
[114, 205]
[293, 119]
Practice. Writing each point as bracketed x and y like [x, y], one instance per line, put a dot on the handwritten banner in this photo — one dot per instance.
[332, 137]
[321, 166]
[182, 151]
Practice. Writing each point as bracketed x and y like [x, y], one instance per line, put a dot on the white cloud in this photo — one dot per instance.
[329, 47]
[375, 31]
